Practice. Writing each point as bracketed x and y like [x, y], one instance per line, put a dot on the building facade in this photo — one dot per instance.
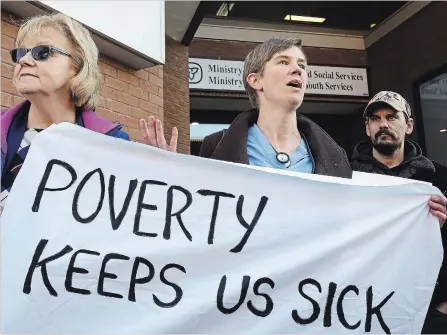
[128, 92]
[412, 60]
[402, 52]
[356, 51]
[336, 93]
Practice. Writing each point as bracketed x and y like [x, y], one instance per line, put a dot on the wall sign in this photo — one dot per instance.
[225, 75]
[435, 89]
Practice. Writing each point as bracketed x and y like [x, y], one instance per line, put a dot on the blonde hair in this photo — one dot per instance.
[259, 56]
[86, 83]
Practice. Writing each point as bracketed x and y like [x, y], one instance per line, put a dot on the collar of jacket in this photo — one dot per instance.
[415, 165]
[363, 151]
[89, 118]
[329, 158]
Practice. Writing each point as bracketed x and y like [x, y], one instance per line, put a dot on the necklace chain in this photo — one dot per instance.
[281, 156]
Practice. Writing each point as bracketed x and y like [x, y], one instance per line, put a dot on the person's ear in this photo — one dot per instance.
[410, 126]
[367, 128]
[254, 81]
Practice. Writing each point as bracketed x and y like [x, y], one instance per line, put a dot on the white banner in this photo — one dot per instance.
[225, 75]
[106, 236]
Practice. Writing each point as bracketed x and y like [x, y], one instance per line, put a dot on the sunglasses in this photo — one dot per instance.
[39, 53]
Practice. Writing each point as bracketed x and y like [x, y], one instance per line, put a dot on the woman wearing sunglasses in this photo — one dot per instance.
[58, 74]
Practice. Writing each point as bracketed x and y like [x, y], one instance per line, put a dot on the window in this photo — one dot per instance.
[433, 104]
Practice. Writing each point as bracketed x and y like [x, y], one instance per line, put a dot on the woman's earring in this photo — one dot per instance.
[73, 96]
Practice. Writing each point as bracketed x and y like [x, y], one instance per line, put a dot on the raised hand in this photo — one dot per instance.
[152, 132]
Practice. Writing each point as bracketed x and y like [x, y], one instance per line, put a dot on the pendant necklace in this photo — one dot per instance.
[283, 158]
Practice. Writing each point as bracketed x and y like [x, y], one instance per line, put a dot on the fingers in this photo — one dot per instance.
[442, 217]
[160, 137]
[144, 131]
[438, 208]
[439, 199]
[174, 138]
[147, 130]
[152, 132]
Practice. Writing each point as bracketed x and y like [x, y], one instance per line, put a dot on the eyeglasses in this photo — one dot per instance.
[39, 53]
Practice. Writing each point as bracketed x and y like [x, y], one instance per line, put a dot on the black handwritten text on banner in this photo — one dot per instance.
[198, 246]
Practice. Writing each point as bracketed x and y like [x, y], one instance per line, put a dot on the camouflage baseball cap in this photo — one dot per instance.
[394, 100]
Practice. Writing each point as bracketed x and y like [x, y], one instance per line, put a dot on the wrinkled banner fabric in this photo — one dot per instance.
[100, 235]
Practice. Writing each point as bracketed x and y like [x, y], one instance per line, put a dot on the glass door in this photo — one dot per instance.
[433, 104]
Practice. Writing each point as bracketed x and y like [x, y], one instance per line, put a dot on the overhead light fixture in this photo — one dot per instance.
[443, 130]
[304, 18]
[225, 8]
[372, 25]
[194, 124]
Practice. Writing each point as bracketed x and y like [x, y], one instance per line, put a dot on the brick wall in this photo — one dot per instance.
[236, 50]
[10, 96]
[126, 95]
[176, 93]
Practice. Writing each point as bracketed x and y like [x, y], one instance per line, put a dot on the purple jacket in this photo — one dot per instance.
[12, 132]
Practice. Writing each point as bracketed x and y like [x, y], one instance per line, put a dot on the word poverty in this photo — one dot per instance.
[261, 287]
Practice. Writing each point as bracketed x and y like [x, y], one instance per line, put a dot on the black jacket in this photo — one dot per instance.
[415, 166]
[231, 145]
